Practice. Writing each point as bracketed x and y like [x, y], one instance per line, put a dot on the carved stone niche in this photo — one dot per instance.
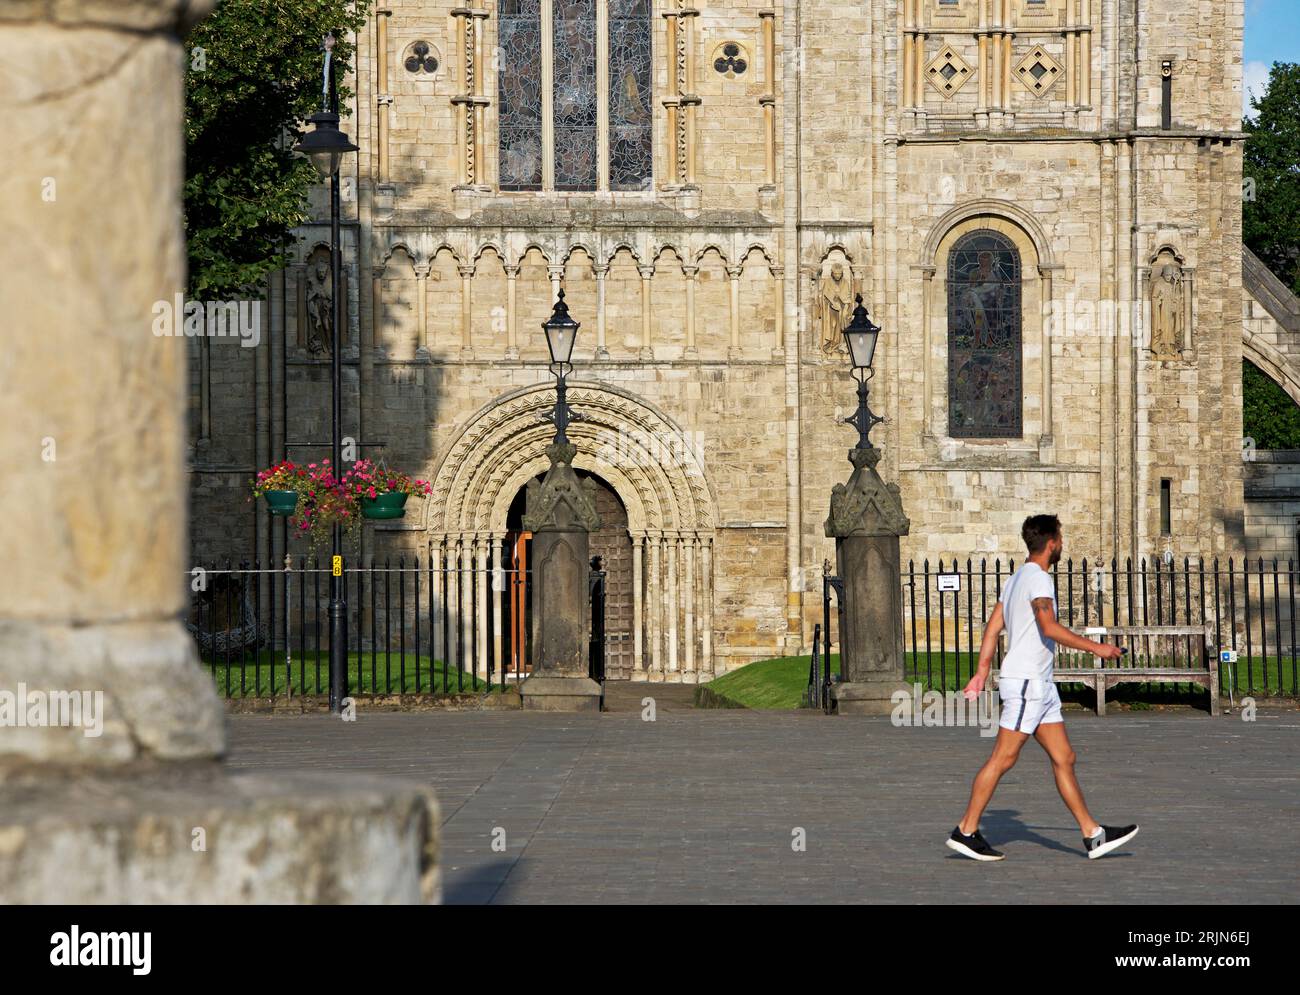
[1168, 285]
[315, 304]
[833, 290]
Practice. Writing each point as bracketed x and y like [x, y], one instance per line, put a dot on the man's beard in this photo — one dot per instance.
[1055, 557]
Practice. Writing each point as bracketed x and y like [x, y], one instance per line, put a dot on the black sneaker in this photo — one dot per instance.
[1108, 839]
[974, 846]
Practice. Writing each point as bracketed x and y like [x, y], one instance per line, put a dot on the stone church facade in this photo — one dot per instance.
[1038, 200]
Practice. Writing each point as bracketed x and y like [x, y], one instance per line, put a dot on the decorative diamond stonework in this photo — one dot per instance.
[1039, 71]
[948, 72]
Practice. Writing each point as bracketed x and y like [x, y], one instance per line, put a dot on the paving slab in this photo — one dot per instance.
[705, 806]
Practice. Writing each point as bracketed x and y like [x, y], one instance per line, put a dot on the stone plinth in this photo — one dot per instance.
[561, 512]
[866, 521]
[180, 833]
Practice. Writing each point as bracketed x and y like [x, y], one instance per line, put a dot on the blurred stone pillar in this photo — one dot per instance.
[94, 496]
[92, 396]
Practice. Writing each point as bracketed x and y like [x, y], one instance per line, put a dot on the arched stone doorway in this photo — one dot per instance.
[612, 542]
[654, 486]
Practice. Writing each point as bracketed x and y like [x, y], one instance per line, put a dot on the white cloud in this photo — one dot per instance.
[1254, 83]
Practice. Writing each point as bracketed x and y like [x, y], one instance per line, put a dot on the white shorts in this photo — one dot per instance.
[1027, 704]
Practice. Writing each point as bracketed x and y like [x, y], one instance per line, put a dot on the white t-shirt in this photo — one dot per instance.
[1029, 653]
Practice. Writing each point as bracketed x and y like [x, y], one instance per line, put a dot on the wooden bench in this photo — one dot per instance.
[1160, 654]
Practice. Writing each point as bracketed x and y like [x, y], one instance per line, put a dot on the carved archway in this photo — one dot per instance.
[654, 466]
[648, 458]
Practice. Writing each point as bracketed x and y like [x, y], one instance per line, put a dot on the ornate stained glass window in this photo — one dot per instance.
[580, 77]
[630, 148]
[984, 355]
[519, 94]
[573, 56]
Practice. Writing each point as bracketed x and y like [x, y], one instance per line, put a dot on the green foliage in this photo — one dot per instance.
[253, 75]
[1271, 221]
[1269, 416]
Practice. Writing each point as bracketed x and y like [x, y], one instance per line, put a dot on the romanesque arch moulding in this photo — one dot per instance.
[992, 208]
[656, 467]
[658, 472]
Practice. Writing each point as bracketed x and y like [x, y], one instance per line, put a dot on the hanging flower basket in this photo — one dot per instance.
[315, 500]
[390, 505]
[281, 502]
[382, 492]
[312, 497]
[280, 485]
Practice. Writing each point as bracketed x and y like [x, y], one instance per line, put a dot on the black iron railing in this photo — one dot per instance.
[1250, 604]
[415, 627]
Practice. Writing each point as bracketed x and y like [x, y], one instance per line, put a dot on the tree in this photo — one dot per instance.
[254, 76]
[1268, 414]
[1271, 218]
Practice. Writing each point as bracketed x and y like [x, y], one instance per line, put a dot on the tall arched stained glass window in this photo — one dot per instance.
[575, 79]
[630, 122]
[984, 333]
[573, 56]
[519, 94]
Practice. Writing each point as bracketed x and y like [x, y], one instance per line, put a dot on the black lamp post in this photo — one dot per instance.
[867, 523]
[325, 145]
[560, 512]
[861, 336]
[561, 333]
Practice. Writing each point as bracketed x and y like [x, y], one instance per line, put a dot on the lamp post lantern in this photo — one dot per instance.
[325, 145]
[561, 334]
[861, 336]
[866, 520]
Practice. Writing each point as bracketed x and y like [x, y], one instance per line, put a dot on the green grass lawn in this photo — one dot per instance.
[265, 676]
[1252, 678]
[781, 683]
[778, 683]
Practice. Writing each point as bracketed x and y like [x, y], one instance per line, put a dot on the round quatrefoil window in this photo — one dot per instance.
[729, 59]
[421, 59]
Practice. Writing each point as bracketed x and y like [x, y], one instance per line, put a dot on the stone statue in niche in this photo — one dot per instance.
[834, 307]
[320, 306]
[1168, 309]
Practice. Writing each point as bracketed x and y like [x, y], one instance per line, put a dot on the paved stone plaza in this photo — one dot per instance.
[699, 806]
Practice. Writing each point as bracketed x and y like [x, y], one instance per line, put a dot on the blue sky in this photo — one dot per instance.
[1272, 35]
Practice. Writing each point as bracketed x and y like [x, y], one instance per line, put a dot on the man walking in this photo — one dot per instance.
[1030, 703]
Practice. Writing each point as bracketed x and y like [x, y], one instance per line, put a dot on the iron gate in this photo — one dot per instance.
[596, 648]
[820, 678]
